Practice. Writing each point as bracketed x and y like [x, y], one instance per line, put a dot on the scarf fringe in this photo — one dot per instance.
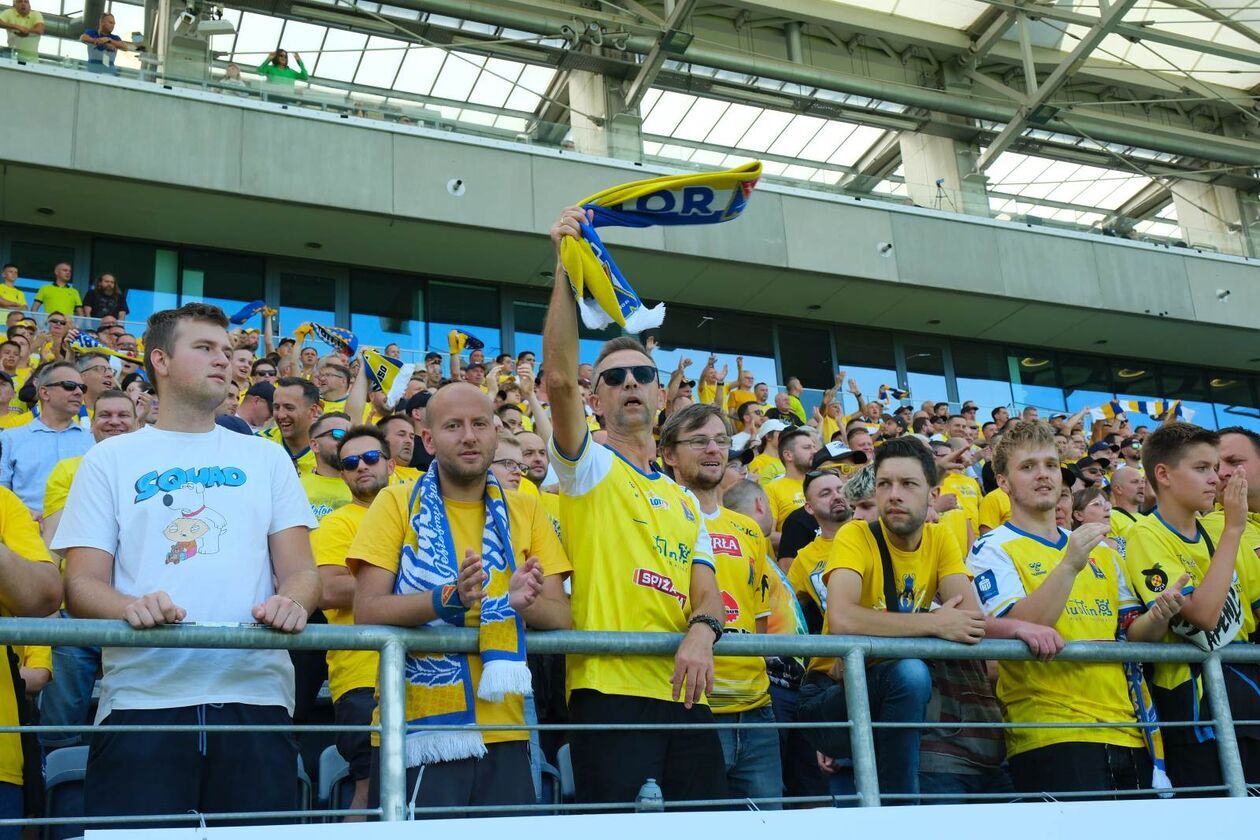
[644, 318]
[436, 747]
[501, 677]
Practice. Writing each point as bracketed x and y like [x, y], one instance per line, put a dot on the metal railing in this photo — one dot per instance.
[392, 644]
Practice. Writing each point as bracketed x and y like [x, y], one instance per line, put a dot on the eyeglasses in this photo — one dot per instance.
[260, 372]
[336, 434]
[68, 386]
[511, 465]
[616, 377]
[351, 462]
[96, 369]
[701, 443]
[57, 322]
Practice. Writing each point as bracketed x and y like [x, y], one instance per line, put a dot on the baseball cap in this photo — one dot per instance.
[837, 451]
[415, 401]
[286, 340]
[430, 356]
[1089, 461]
[262, 389]
[770, 427]
[1131, 441]
[900, 421]
[739, 451]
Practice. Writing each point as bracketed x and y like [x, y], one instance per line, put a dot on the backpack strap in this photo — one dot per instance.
[891, 603]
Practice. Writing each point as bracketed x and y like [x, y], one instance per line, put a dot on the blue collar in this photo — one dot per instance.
[1062, 543]
[1198, 532]
[650, 476]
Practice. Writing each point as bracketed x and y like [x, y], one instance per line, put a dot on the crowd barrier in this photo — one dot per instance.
[392, 644]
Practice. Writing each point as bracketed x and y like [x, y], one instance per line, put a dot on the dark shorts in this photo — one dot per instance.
[611, 765]
[139, 773]
[1082, 766]
[354, 708]
[500, 777]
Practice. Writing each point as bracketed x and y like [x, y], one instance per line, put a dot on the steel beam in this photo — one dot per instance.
[656, 56]
[1028, 112]
[990, 38]
[878, 162]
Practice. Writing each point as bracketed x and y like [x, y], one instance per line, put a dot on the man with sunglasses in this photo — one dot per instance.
[366, 468]
[642, 559]
[263, 370]
[29, 452]
[323, 485]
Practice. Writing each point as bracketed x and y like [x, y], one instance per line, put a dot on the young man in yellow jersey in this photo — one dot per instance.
[796, 450]
[642, 561]
[323, 485]
[1032, 570]
[1128, 493]
[955, 481]
[470, 769]
[364, 459]
[694, 445]
[1212, 566]
[924, 563]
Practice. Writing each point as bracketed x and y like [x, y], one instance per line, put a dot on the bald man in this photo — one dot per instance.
[1128, 492]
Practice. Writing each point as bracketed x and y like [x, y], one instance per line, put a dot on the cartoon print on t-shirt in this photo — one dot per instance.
[190, 501]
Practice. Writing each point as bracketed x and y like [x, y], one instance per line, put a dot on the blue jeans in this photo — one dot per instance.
[11, 807]
[67, 700]
[753, 768]
[957, 785]
[801, 776]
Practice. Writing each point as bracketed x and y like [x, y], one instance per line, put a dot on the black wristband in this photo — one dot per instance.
[708, 621]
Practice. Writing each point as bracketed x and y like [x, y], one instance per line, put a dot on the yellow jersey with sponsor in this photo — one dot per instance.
[1156, 557]
[57, 488]
[1009, 563]
[325, 493]
[20, 534]
[740, 683]
[995, 510]
[386, 527]
[967, 491]
[786, 495]
[330, 543]
[916, 574]
[633, 538]
[766, 467]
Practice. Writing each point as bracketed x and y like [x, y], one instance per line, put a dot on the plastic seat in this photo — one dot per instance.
[64, 771]
[304, 787]
[568, 790]
[334, 777]
[551, 784]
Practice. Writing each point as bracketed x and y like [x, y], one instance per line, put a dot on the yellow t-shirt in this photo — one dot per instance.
[786, 495]
[12, 294]
[1156, 556]
[406, 475]
[918, 573]
[15, 418]
[736, 398]
[805, 576]
[20, 535]
[35, 656]
[324, 493]
[706, 392]
[967, 491]
[58, 486]
[336, 405]
[633, 538]
[767, 468]
[1122, 521]
[740, 683]
[27, 47]
[995, 509]
[330, 543]
[386, 527]
[1008, 564]
[61, 299]
[956, 522]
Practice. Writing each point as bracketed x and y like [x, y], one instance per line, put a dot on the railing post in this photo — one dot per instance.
[393, 730]
[1223, 726]
[861, 739]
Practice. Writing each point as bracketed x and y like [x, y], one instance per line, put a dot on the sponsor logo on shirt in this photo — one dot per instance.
[732, 607]
[661, 583]
[1098, 573]
[152, 483]
[1155, 578]
[658, 503]
[1036, 568]
[725, 544]
[986, 586]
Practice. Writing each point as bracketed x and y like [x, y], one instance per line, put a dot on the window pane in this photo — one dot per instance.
[1086, 381]
[473, 309]
[982, 373]
[1034, 380]
[35, 262]
[925, 371]
[306, 297]
[695, 333]
[867, 357]
[223, 279]
[388, 308]
[145, 272]
[1234, 397]
[1190, 385]
[529, 316]
[805, 353]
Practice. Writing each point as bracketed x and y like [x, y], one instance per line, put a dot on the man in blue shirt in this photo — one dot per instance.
[28, 453]
[103, 45]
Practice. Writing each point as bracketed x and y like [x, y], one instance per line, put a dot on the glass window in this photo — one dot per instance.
[866, 356]
[147, 273]
[1086, 381]
[695, 333]
[1134, 380]
[306, 297]
[224, 279]
[1034, 381]
[35, 262]
[473, 309]
[530, 315]
[1190, 385]
[388, 308]
[1234, 398]
[982, 374]
[805, 352]
[925, 370]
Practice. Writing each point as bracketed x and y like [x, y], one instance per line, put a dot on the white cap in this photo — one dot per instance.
[739, 442]
[770, 427]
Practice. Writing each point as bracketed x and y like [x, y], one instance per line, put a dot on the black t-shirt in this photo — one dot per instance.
[799, 530]
[784, 416]
[102, 304]
[420, 457]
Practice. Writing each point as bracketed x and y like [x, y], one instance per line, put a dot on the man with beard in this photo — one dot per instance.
[643, 561]
[364, 459]
[398, 431]
[694, 443]
[295, 406]
[323, 485]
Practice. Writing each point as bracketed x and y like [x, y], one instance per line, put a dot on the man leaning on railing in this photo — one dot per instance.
[180, 521]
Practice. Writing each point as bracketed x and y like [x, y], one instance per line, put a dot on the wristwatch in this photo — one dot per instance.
[708, 621]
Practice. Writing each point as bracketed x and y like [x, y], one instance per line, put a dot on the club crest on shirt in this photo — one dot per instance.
[1155, 578]
[905, 598]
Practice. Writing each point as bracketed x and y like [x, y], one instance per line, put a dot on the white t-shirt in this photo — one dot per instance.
[188, 514]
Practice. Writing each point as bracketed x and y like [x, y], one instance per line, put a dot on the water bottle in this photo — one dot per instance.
[649, 798]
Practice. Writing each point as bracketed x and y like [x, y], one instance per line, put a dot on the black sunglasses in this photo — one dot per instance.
[261, 372]
[643, 374]
[372, 457]
[68, 386]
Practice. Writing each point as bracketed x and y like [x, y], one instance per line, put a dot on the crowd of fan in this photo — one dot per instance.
[206, 474]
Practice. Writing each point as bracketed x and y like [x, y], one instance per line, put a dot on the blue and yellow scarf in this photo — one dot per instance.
[447, 698]
[604, 295]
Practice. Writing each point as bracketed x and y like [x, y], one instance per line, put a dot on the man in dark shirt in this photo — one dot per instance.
[105, 298]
